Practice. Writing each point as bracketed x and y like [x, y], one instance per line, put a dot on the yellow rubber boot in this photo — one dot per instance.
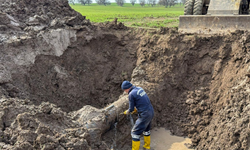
[146, 142]
[135, 145]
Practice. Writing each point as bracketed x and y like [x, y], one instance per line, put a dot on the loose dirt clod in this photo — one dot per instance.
[54, 64]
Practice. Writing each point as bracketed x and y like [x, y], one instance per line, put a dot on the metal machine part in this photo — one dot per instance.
[214, 16]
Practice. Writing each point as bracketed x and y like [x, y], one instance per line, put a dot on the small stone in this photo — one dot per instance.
[203, 103]
[190, 101]
[188, 145]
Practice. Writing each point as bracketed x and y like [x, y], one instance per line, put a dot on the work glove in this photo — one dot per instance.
[126, 112]
[135, 111]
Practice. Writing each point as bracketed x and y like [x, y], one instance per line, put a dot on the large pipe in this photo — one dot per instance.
[103, 119]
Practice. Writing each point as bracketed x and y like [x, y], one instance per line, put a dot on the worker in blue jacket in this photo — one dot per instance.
[139, 101]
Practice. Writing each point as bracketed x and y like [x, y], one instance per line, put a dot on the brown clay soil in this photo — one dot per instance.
[53, 62]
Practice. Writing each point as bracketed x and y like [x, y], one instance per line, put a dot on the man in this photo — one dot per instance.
[139, 101]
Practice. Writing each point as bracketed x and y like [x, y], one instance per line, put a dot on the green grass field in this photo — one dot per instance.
[133, 16]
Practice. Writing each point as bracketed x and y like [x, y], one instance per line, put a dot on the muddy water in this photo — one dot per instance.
[161, 139]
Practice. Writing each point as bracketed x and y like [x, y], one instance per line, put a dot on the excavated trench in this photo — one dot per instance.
[57, 72]
[85, 74]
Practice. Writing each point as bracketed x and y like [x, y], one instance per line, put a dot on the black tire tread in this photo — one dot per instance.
[198, 5]
[188, 9]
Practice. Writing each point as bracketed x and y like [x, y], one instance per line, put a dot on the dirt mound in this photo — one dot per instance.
[26, 126]
[112, 25]
[39, 14]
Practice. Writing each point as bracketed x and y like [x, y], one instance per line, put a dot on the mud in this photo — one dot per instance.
[163, 140]
[57, 71]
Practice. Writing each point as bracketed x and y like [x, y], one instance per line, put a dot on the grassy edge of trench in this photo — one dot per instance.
[132, 16]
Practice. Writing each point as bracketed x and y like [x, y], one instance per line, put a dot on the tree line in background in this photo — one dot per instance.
[166, 3]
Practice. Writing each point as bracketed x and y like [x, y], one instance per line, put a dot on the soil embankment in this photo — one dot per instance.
[54, 62]
[198, 85]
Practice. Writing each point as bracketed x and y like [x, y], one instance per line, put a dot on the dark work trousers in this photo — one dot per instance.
[142, 124]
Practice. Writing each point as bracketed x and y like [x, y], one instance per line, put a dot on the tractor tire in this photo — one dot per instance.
[188, 9]
[198, 6]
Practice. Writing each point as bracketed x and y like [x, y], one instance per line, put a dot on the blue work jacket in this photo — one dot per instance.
[138, 98]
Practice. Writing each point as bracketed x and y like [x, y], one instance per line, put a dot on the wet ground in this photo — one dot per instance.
[162, 139]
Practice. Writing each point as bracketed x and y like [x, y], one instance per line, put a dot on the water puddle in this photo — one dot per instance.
[161, 139]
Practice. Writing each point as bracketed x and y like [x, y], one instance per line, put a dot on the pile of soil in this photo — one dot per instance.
[25, 126]
[38, 15]
[54, 62]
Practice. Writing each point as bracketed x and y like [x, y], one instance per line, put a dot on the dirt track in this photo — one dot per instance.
[52, 64]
